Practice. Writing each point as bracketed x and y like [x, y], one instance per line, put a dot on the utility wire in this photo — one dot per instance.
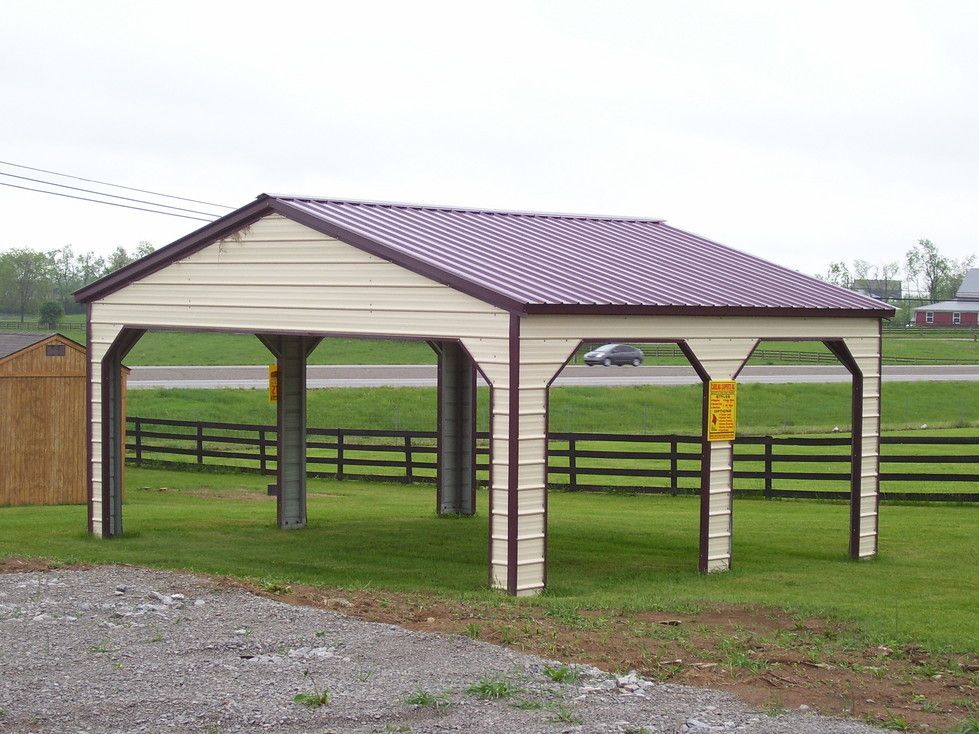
[116, 186]
[113, 196]
[109, 203]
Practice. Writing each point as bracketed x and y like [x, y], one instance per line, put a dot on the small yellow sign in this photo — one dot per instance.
[273, 383]
[722, 404]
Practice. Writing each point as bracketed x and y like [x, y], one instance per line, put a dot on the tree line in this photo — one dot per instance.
[925, 274]
[37, 282]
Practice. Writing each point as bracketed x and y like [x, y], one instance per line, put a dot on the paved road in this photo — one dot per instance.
[424, 375]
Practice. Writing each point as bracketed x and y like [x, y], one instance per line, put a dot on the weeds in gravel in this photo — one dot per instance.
[491, 688]
[318, 697]
[313, 700]
[472, 631]
[640, 730]
[775, 708]
[101, 648]
[424, 698]
[562, 673]
[528, 705]
[566, 715]
[275, 587]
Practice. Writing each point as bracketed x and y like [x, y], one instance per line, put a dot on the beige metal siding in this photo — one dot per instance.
[279, 276]
[540, 361]
[865, 352]
[612, 328]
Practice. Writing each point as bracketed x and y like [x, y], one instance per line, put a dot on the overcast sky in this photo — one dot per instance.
[800, 132]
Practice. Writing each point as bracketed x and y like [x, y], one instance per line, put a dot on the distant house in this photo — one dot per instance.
[882, 290]
[963, 311]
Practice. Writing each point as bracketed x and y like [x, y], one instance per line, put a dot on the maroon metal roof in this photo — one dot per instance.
[535, 262]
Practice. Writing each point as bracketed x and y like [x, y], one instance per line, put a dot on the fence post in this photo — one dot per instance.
[138, 436]
[674, 466]
[572, 463]
[339, 453]
[768, 467]
[409, 469]
[262, 455]
[200, 444]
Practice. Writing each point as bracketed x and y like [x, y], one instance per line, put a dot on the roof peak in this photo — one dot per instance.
[462, 209]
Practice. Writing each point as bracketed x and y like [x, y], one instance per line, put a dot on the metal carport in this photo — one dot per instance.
[511, 294]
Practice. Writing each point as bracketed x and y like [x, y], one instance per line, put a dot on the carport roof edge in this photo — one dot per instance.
[527, 262]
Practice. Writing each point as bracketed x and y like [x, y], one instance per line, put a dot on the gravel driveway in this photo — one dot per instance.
[117, 649]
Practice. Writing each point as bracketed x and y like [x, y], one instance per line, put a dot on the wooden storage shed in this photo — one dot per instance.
[42, 422]
[510, 294]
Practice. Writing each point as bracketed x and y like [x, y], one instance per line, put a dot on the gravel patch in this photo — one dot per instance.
[117, 649]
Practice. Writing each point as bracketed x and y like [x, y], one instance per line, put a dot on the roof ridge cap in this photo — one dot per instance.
[466, 209]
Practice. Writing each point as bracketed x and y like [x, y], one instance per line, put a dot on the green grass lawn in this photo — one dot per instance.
[762, 409]
[606, 551]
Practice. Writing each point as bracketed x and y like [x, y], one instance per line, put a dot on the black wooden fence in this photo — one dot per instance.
[913, 468]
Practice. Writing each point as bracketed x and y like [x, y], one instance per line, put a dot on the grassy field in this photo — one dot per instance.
[762, 409]
[606, 551]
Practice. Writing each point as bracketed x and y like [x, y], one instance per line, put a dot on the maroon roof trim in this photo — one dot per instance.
[665, 310]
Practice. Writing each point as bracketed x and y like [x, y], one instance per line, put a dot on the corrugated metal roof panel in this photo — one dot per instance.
[554, 260]
[529, 262]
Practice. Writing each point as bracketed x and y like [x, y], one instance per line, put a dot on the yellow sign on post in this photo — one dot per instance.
[273, 383]
[722, 404]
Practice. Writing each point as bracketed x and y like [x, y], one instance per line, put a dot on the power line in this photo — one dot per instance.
[113, 196]
[108, 203]
[116, 186]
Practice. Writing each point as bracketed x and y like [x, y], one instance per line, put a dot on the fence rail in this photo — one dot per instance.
[30, 326]
[766, 466]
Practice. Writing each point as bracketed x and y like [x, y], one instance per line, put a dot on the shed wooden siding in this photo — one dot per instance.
[42, 428]
[279, 276]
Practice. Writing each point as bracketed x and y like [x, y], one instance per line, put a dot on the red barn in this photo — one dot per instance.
[963, 311]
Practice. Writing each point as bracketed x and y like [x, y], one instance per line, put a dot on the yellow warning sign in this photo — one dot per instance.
[273, 383]
[722, 404]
